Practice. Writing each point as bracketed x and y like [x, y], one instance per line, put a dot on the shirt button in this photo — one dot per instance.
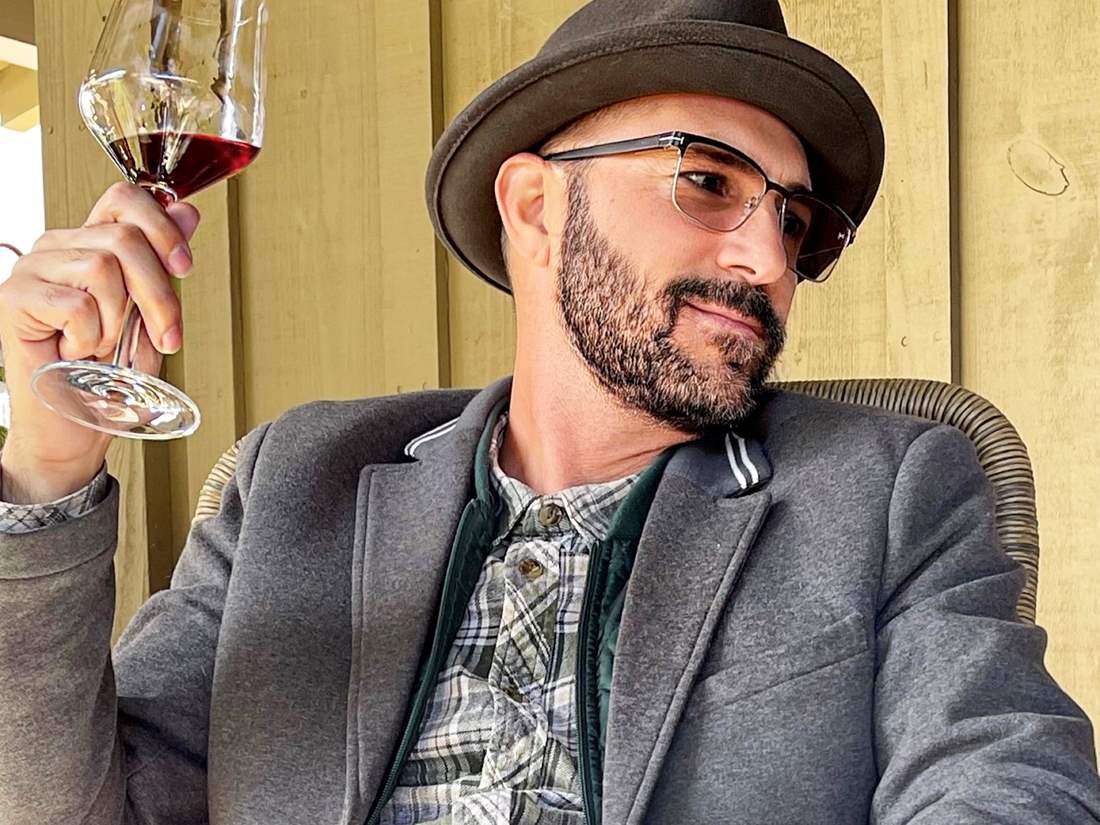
[549, 515]
[531, 569]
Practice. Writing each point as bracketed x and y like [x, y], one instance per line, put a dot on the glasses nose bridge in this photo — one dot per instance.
[781, 194]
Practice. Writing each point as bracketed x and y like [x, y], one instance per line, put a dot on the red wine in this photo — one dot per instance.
[183, 163]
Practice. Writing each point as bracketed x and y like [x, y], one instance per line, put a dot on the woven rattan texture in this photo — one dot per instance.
[210, 496]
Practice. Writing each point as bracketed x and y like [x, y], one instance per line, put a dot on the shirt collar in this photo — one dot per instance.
[587, 509]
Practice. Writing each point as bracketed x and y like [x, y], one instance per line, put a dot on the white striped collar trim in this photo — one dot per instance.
[430, 435]
[723, 463]
[740, 462]
[728, 465]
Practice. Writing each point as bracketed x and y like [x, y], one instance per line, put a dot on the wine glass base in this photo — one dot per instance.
[116, 400]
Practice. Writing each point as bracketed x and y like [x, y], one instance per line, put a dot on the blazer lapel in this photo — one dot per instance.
[701, 526]
[406, 519]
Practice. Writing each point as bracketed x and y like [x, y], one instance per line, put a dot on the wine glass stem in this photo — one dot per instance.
[128, 340]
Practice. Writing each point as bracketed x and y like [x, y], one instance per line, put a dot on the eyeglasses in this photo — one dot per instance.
[719, 187]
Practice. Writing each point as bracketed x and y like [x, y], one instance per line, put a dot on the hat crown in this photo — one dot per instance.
[603, 16]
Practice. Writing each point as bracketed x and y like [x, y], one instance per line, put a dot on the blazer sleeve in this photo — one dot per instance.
[90, 738]
[970, 728]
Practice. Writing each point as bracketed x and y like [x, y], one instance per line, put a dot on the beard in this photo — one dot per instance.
[625, 337]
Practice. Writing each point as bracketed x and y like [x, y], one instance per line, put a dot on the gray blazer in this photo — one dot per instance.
[837, 646]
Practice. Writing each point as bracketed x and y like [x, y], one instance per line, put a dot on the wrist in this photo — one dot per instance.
[28, 482]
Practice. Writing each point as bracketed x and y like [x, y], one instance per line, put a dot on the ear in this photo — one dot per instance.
[527, 193]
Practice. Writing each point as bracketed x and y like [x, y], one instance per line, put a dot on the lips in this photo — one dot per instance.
[730, 315]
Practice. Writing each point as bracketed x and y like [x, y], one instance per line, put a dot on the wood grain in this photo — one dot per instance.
[885, 312]
[208, 365]
[339, 293]
[1029, 196]
[17, 20]
[482, 40]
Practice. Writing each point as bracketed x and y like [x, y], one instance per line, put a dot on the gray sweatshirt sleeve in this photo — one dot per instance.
[87, 737]
[26, 518]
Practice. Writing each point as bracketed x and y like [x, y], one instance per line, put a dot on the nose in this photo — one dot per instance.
[756, 247]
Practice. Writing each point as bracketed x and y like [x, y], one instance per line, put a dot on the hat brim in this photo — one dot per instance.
[808, 90]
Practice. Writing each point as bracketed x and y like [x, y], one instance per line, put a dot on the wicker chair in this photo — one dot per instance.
[1001, 452]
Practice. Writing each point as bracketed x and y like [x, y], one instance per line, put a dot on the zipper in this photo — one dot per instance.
[435, 661]
[584, 751]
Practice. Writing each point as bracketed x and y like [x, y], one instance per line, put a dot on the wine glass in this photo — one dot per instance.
[174, 95]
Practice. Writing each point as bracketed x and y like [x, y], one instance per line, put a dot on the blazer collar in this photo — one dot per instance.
[477, 416]
[724, 463]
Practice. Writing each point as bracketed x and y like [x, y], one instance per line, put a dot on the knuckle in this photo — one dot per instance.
[43, 240]
[18, 267]
[127, 234]
[54, 295]
[120, 191]
[98, 262]
[83, 304]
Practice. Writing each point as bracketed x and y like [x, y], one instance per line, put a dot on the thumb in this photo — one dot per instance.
[186, 216]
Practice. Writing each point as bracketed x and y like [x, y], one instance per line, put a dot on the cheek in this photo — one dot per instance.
[783, 297]
[641, 222]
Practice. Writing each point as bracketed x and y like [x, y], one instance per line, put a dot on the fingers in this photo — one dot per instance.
[83, 299]
[186, 217]
[147, 359]
[44, 309]
[111, 260]
[77, 281]
[126, 203]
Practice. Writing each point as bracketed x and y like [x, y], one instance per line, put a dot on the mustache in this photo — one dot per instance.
[748, 300]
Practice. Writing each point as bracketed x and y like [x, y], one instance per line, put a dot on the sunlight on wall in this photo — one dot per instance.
[22, 209]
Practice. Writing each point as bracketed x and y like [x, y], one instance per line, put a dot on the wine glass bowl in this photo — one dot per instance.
[175, 97]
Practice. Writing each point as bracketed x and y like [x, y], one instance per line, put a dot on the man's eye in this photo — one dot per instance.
[793, 226]
[707, 181]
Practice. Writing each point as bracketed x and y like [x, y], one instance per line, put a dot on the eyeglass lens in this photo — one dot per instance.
[721, 190]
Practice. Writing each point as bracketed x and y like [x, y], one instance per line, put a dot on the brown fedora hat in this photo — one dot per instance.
[614, 50]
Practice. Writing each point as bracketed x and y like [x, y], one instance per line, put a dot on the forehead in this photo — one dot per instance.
[755, 131]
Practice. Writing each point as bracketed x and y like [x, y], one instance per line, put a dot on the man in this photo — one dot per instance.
[628, 584]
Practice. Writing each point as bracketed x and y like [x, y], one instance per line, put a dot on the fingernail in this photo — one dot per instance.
[172, 340]
[180, 260]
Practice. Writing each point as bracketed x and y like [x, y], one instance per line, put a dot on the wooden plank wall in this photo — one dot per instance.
[1029, 297]
[17, 20]
[318, 276]
[339, 292]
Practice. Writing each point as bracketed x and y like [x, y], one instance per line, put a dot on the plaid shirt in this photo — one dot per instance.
[498, 743]
[26, 518]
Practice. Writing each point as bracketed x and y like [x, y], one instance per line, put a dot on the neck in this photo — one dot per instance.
[564, 429]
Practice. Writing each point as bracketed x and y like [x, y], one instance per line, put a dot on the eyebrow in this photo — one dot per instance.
[793, 186]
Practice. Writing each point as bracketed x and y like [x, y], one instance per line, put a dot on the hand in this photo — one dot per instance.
[64, 301]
